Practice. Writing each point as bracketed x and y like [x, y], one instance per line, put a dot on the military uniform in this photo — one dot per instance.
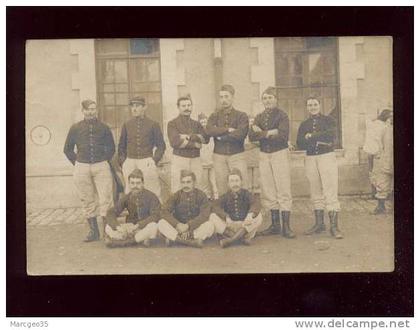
[92, 174]
[228, 147]
[192, 208]
[143, 211]
[274, 162]
[321, 167]
[233, 211]
[139, 136]
[383, 166]
[186, 153]
[320, 162]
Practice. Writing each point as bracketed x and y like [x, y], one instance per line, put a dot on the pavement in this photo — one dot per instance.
[55, 247]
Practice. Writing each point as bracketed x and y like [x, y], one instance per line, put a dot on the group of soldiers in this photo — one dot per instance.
[192, 214]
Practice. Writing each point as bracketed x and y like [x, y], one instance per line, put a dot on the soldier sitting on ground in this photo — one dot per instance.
[236, 215]
[143, 208]
[185, 216]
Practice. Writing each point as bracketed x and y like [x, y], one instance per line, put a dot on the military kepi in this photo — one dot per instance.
[228, 88]
[270, 91]
[87, 103]
[138, 100]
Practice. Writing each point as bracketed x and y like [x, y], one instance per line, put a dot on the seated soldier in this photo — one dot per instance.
[185, 216]
[236, 215]
[143, 208]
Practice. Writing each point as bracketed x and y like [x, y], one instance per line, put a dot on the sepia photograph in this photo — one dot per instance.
[209, 155]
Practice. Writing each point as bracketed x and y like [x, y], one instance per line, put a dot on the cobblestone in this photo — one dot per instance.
[59, 216]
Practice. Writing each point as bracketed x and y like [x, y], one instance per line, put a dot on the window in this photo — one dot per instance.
[127, 68]
[305, 66]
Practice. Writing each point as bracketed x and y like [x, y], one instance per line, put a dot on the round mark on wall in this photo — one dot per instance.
[40, 135]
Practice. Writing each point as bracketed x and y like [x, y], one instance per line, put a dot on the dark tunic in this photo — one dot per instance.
[186, 125]
[226, 143]
[138, 138]
[192, 208]
[143, 208]
[267, 120]
[93, 140]
[237, 205]
[323, 130]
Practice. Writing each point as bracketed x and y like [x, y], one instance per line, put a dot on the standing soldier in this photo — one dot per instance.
[139, 136]
[229, 128]
[92, 175]
[271, 129]
[186, 137]
[185, 216]
[143, 208]
[316, 136]
[383, 167]
[237, 213]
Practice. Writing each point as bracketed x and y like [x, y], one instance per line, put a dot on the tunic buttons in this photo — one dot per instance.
[91, 142]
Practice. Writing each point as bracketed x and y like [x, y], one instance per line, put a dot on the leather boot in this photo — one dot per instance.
[228, 241]
[275, 227]
[335, 232]
[319, 225]
[287, 232]
[197, 243]
[380, 208]
[93, 234]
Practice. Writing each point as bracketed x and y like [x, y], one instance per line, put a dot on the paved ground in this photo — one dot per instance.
[55, 246]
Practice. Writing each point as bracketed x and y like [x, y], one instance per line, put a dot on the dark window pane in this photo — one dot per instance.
[108, 116]
[289, 44]
[121, 87]
[290, 93]
[330, 64]
[146, 87]
[315, 68]
[144, 70]
[107, 99]
[328, 105]
[153, 98]
[154, 112]
[107, 71]
[112, 46]
[121, 74]
[123, 114]
[144, 46]
[298, 109]
[108, 87]
[320, 42]
[121, 99]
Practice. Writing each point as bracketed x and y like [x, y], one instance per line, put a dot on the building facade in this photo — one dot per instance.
[352, 75]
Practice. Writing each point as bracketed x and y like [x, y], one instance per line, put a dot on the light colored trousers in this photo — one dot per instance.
[322, 173]
[382, 179]
[209, 183]
[148, 232]
[179, 163]
[223, 164]
[251, 225]
[150, 173]
[275, 180]
[203, 232]
[94, 187]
